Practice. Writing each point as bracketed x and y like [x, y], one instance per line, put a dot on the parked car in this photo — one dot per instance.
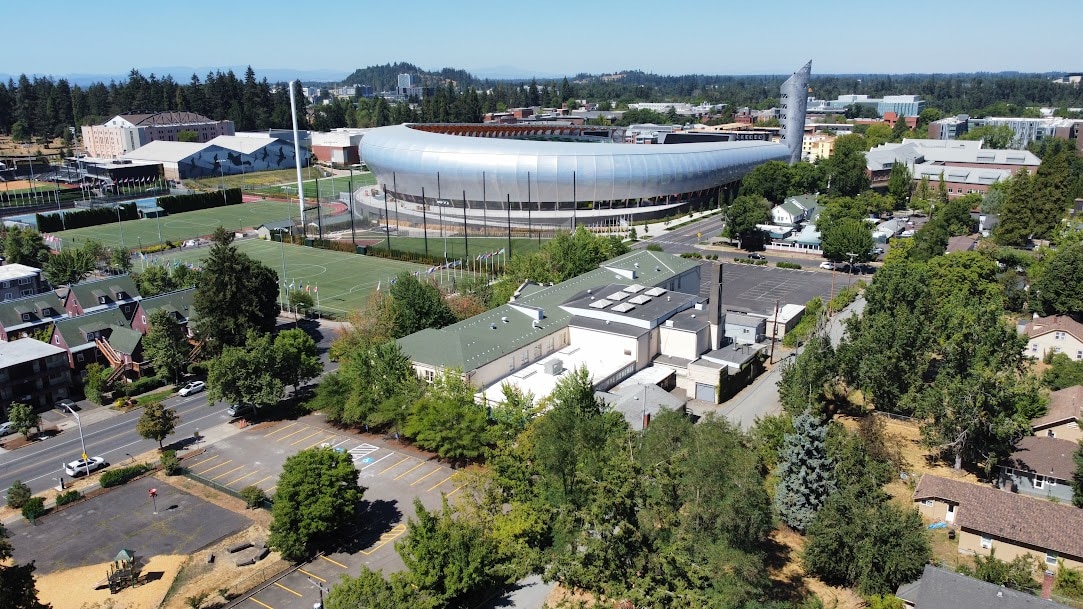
[237, 410]
[755, 256]
[6, 429]
[80, 467]
[62, 406]
[193, 387]
[877, 250]
[827, 266]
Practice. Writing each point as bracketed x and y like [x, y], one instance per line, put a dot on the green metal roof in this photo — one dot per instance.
[179, 302]
[87, 292]
[472, 343]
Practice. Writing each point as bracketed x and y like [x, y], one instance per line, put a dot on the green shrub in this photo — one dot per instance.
[34, 508]
[48, 223]
[202, 200]
[654, 247]
[143, 385]
[170, 463]
[197, 369]
[18, 494]
[787, 265]
[68, 497]
[116, 477]
[253, 496]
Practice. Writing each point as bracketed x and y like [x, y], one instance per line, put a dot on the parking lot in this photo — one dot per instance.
[754, 289]
[392, 474]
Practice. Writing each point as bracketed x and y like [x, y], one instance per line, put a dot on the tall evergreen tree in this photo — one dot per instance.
[805, 472]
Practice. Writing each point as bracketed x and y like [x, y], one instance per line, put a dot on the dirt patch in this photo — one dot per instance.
[74, 588]
[793, 573]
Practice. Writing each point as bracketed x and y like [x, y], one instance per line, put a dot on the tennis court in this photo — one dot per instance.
[184, 226]
[342, 282]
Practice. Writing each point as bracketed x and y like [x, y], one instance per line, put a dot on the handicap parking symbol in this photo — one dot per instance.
[367, 460]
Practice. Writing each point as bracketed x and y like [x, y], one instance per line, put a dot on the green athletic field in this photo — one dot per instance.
[328, 188]
[343, 281]
[456, 247]
[181, 227]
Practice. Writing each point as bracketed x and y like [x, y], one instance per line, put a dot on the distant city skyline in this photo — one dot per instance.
[558, 38]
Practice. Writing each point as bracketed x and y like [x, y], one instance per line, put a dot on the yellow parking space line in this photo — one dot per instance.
[403, 459]
[334, 562]
[386, 538]
[302, 430]
[408, 471]
[318, 442]
[256, 483]
[294, 592]
[215, 467]
[281, 429]
[426, 476]
[259, 602]
[440, 482]
[232, 482]
[211, 458]
[312, 575]
[223, 475]
[315, 433]
[457, 489]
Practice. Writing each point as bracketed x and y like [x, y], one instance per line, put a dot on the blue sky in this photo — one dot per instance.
[550, 37]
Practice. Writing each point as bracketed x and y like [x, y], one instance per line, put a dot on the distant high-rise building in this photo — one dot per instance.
[794, 102]
[406, 81]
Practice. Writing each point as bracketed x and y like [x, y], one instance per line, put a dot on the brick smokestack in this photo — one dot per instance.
[714, 306]
[1047, 585]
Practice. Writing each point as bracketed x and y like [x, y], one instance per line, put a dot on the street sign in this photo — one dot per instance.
[153, 492]
[85, 458]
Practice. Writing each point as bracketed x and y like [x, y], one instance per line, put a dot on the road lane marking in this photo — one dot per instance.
[215, 467]
[315, 433]
[294, 592]
[283, 428]
[393, 466]
[457, 489]
[312, 575]
[408, 471]
[425, 476]
[222, 475]
[255, 600]
[386, 538]
[334, 562]
[378, 460]
[440, 482]
[239, 479]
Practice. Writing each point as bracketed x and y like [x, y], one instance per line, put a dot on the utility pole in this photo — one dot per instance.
[774, 334]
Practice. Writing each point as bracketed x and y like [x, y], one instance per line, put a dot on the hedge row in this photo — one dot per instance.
[50, 223]
[176, 204]
[143, 385]
[116, 477]
[787, 265]
[68, 497]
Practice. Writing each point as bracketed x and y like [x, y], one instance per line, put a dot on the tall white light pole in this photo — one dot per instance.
[297, 153]
[86, 459]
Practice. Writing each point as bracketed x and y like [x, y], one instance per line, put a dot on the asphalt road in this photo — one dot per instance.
[685, 239]
[40, 464]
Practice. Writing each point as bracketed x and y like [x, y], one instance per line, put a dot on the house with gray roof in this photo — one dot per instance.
[20, 280]
[89, 339]
[177, 303]
[794, 210]
[745, 329]
[940, 588]
[1041, 466]
[1061, 418]
[118, 291]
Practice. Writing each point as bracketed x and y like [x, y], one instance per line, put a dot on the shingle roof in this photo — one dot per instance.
[1064, 405]
[942, 589]
[1046, 456]
[1016, 518]
[176, 303]
[472, 343]
[87, 292]
[124, 340]
[74, 330]
[11, 310]
[1061, 323]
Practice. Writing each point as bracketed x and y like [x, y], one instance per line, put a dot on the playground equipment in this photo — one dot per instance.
[123, 573]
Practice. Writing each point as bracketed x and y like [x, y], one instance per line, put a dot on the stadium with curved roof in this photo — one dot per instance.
[560, 175]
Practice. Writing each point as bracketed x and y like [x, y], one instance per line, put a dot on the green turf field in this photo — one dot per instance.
[343, 281]
[181, 227]
[328, 187]
[456, 247]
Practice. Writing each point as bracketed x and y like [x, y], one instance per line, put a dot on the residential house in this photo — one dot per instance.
[962, 243]
[19, 281]
[1041, 466]
[177, 303]
[794, 210]
[104, 337]
[1012, 525]
[941, 588]
[86, 297]
[32, 372]
[1061, 418]
[22, 317]
[1055, 334]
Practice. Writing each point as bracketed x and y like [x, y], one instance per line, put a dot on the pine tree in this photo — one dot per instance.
[805, 472]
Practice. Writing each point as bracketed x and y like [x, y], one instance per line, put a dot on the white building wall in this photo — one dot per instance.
[1055, 342]
[682, 343]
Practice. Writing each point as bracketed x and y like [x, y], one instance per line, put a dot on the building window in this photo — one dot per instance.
[1050, 558]
[511, 362]
[1059, 336]
[928, 503]
[26, 317]
[986, 542]
[1039, 481]
[78, 357]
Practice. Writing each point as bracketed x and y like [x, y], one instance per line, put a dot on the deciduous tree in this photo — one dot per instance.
[446, 420]
[247, 374]
[1059, 289]
[157, 422]
[848, 240]
[298, 361]
[24, 246]
[744, 214]
[418, 305]
[771, 180]
[23, 418]
[17, 587]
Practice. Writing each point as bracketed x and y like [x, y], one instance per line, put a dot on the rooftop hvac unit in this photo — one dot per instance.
[553, 367]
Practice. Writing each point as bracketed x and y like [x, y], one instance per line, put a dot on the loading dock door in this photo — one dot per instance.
[705, 392]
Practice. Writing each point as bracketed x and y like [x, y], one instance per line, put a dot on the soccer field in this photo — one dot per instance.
[343, 282]
[181, 227]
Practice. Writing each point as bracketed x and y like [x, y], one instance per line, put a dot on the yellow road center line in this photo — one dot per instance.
[294, 592]
[334, 562]
[408, 471]
[228, 473]
[239, 479]
[281, 429]
[215, 467]
[425, 476]
[312, 575]
[441, 482]
[254, 600]
[403, 459]
[315, 433]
